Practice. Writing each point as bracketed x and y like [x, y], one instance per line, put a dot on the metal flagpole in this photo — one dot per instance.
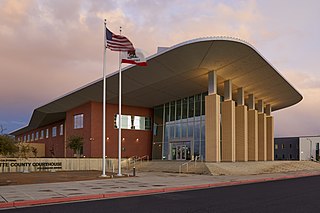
[104, 105]
[120, 118]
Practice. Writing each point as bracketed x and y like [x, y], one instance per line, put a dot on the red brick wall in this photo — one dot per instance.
[84, 109]
[54, 146]
[136, 142]
[92, 131]
[130, 145]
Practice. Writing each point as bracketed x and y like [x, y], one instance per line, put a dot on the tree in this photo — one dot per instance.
[7, 145]
[34, 151]
[75, 143]
[24, 150]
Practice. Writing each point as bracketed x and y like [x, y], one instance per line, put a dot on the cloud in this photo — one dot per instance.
[48, 48]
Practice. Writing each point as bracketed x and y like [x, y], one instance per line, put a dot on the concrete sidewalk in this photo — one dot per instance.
[145, 183]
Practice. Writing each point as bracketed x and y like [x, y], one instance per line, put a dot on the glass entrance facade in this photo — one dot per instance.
[179, 129]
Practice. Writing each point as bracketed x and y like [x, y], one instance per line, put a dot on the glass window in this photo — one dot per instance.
[203, 104]
[54, 131]
[197, 111]
[42, 134]
[147, 123]
[184, 127]
[47, 133]
[184, 108]
[28, 138]
[37, 136]
[125, 121]
[133, 122]
[196, 130]
[171, 133]
[290, 145]
[78, 121]
[139, 122]
[178, 113]
[191, 107]
[158, 115]
[32, 137]
[282, 146]
[166, 115]
[24, 138]
[190, 129]
[276, 146]
[203, 131]
[178, 130]
[172, 111]
[61, 129]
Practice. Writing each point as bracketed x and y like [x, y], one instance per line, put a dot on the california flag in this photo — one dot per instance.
[134, 57]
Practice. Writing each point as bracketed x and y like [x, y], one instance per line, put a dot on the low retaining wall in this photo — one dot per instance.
[56, 164]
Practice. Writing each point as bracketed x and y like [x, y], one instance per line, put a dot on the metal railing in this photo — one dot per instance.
[186, 164]
[135, 159]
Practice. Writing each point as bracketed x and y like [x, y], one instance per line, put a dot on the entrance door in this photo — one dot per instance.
[181, 152]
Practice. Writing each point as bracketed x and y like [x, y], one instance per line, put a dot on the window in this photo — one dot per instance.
[290, 145]
[42, 134]
[191, 107]
[78, 121]
[47, 133]
[133, 122]
[32, 136]
[28, 138]
[184, 108]
[276, 146]
[139, 122]
[61, 129]
[24, 138]
[282, 146]
[172, 111]
[54, 131]
[37, 136]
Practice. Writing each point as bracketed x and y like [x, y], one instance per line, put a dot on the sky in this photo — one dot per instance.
[51, 47]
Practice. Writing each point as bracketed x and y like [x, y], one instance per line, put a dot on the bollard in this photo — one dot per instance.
[134, 171]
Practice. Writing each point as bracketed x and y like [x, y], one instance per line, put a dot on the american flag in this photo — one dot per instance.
[118, 42]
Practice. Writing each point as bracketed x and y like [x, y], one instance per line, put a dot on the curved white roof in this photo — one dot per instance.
[178, 72]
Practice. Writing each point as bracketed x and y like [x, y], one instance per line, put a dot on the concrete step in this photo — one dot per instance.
[173, 167]
[252, 168]
[226, 168]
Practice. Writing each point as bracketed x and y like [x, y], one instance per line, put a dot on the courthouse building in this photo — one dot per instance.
[208, 98]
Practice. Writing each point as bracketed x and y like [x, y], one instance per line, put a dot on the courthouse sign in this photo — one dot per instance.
[14, 163]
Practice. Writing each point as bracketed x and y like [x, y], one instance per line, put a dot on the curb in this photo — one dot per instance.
[29, 203]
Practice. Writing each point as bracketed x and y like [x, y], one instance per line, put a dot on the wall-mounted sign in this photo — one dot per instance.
[39, 165]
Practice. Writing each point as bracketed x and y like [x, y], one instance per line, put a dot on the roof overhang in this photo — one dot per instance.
[181, 71]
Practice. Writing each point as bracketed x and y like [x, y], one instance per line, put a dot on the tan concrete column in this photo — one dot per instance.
[270, 134]
[252, 130]
[241, 125]
[228, 131]
[212, 128]
[228, 125]
[270, 138]
[262, 133]
[212, 112]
